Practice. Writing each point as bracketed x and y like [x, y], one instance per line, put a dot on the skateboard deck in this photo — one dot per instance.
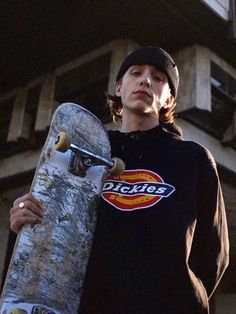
[49, 261]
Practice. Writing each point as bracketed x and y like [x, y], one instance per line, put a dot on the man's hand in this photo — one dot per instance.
[25, 210]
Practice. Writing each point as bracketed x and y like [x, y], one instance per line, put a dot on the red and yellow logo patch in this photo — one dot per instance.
[135, 189]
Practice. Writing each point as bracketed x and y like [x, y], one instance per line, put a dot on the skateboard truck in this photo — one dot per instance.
[81, 159]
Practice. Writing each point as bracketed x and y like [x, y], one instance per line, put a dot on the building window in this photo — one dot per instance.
[223, 81]
[223, 91]
[217, 119]
[31, 105]
[86, 85]
[5, 119]
[233, 18]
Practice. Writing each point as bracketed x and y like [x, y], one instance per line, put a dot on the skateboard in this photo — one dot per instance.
[48, 266]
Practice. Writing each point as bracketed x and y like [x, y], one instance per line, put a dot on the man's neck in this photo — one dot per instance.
[132, 123]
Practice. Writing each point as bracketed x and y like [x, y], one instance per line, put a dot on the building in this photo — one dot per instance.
[71, 50]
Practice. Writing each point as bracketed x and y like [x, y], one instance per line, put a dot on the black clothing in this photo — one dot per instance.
[161, 242]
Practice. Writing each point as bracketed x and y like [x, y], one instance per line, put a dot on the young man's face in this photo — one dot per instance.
[144, 90]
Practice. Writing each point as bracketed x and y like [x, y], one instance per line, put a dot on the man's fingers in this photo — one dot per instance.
[27, 197]
[25, 210]
[18, 222]
[27, 202]
[32, 207]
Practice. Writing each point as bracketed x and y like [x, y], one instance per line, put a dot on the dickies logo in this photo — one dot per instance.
[135, 189]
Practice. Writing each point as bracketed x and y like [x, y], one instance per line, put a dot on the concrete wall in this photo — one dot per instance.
[221, 7]
[225, 304]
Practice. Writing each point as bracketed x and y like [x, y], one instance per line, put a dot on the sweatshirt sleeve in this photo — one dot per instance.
[210, 246]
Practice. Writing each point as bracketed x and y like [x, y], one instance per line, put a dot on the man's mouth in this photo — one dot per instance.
[142, 92]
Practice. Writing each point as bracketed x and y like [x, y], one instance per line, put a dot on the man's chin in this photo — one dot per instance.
[144, 111]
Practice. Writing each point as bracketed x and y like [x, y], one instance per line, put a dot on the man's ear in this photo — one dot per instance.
[169, 101]
[118, 88]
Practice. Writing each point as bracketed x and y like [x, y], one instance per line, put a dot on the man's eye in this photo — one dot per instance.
[135, 72]
[157, 78]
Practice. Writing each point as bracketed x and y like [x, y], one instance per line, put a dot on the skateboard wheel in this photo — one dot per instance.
[118, 166]
[62, 142]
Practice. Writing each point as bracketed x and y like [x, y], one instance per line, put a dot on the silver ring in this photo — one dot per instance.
[22, 204]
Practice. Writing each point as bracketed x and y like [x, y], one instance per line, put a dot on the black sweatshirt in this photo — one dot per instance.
[161, 241]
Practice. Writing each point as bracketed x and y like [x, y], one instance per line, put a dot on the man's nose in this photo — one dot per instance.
[145, 80]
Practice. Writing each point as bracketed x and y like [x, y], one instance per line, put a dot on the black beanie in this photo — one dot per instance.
[153, 56]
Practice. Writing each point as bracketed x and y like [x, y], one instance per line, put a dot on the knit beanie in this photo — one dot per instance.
[153, 56]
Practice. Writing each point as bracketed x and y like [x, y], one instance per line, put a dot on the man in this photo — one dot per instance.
[161, 241]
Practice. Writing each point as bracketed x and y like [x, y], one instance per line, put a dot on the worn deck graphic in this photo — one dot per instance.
[49, 261]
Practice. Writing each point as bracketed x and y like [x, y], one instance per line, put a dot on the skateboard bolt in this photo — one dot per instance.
[87, 162]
